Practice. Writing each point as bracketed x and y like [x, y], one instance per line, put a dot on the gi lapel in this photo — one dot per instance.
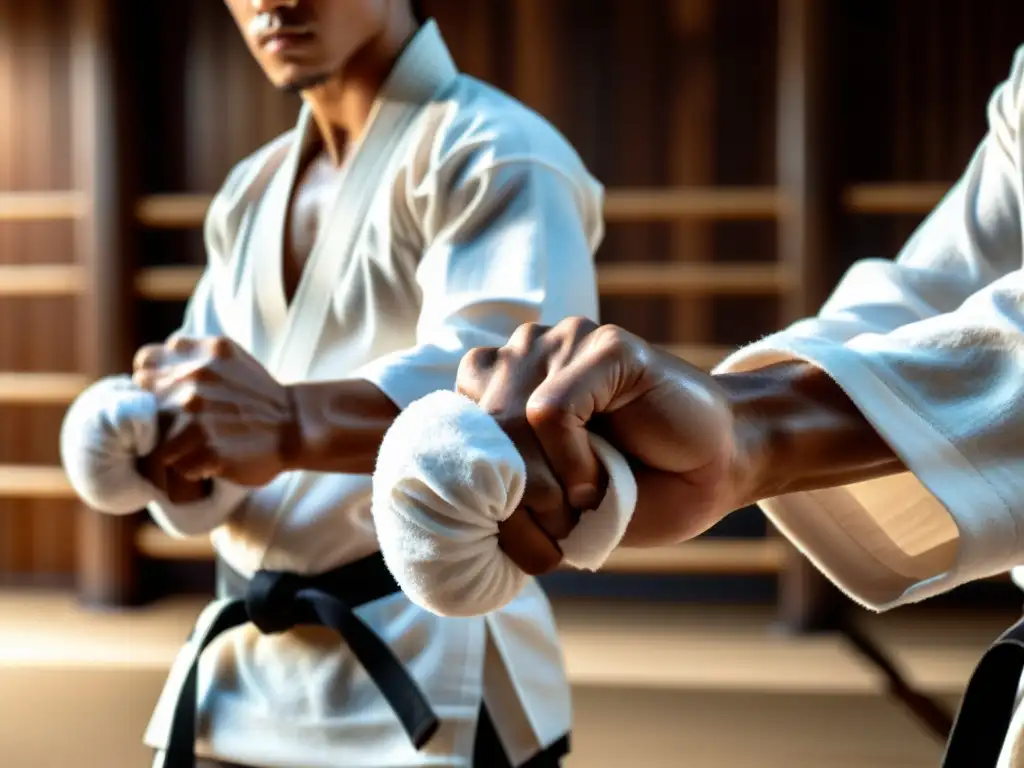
[237, 213]
[422, 72]
[262, 278]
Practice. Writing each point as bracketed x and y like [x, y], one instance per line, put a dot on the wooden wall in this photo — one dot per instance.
[36, 334]
[654, 93]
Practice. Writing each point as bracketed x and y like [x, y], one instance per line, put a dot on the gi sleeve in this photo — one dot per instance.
[931, 350]
[509, 240]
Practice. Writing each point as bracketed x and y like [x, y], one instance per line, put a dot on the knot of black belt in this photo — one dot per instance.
[272, 601]
[277, 601]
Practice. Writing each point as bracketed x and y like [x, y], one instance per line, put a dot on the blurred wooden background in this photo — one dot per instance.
[112, 111]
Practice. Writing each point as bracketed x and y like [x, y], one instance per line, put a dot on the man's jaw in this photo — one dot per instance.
[304, 83]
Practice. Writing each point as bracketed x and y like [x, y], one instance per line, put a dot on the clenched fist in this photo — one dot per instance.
[228, 417]
[549, 385]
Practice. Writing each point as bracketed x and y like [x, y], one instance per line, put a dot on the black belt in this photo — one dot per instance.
[278, 601]
[986, 710]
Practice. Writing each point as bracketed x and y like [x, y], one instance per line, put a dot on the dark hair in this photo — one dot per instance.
[417, 12]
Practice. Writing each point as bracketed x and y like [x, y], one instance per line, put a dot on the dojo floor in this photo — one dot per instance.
[656, 686]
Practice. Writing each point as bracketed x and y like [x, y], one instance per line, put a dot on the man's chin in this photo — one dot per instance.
[301, 83]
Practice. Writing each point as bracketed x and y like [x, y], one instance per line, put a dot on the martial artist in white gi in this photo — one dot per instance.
[884, 437]
[412, 214]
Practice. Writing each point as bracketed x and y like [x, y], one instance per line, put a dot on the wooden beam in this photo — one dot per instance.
[701, 203]
[889, 199]
[101, 91]
[186, 211]
[705, 556]
[806, 171]
[172, 211]
[632, 279]
[691, 279]
[17, 388]
[26, 481]
[725, 203]
[41, 280]
[42, 206]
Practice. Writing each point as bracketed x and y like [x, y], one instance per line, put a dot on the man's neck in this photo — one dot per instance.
[342, 105]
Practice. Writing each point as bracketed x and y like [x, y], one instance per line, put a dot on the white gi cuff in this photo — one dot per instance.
[446, 475]
[108, 427]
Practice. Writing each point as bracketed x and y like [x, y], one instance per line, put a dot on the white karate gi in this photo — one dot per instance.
[454, 223]
[931, 349]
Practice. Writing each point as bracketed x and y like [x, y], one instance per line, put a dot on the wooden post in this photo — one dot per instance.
[807, 180]
[691, 112]
[100, 78]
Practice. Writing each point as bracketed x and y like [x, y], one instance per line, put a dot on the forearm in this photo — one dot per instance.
[337, 426]
[801, 432]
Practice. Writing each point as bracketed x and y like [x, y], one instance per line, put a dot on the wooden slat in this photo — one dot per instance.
[40, 280]
[703, 556]
[632, 279]
[174, 211]
[24, 481]
[185, 211]
[166, 283]
[893, 198]
[43, 206]
[708, 203]
[40, 388]
[680, 279]
[153, 543]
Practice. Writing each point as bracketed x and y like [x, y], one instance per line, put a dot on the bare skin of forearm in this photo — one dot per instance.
[804, 431]
[338, 426]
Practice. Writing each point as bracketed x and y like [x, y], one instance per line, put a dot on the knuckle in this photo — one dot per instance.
[576, 327]
[143, 379]
[547, 414]
[525, 337]
[192, 400]
[179, 344]
[613, 342]
[222, 347]
[203, 374]
[147, 357]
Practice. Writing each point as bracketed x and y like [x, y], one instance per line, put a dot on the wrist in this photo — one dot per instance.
[334, 426]
[796, 430]
[292, 439]
[757, 401]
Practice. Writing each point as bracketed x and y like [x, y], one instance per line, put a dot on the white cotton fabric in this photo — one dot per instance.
[105, 431]
[446, 476]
